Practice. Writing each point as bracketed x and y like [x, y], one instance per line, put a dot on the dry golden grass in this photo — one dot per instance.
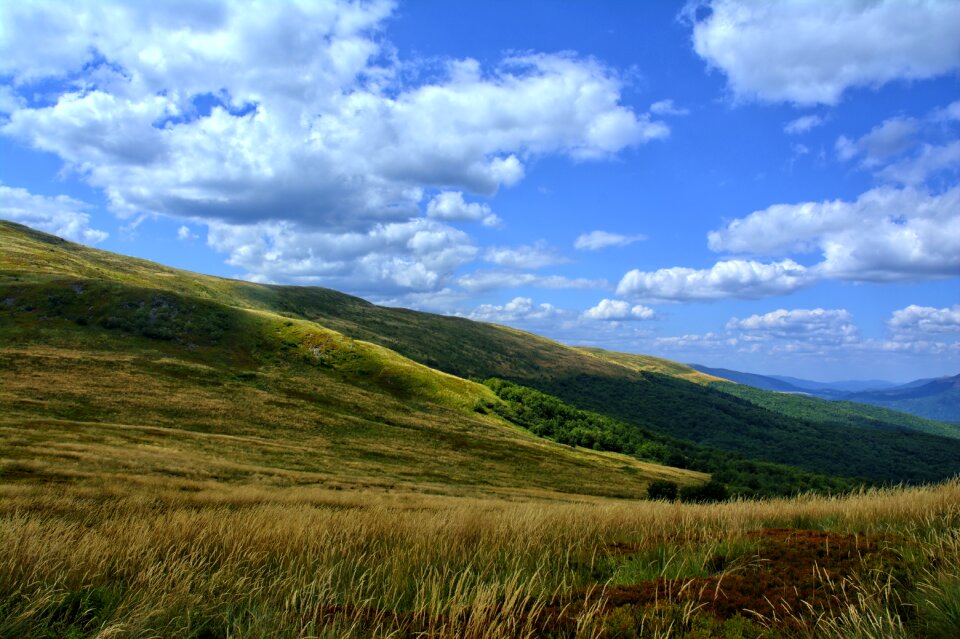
[81, 413]
[168, 559]
[648, 363]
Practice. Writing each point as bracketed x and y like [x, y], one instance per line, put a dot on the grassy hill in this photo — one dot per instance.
[184, 456]
[843, 412]
[50, 270]
[109, 380]
[650, 364]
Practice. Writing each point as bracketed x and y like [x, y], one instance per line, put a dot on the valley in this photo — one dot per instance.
[183, 455]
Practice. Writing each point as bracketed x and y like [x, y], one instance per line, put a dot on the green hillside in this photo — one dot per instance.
[935, 399]
[650, 364]
[841, 412]
[107, 380]
[653, 401]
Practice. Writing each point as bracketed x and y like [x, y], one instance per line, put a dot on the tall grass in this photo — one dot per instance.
[243, 562]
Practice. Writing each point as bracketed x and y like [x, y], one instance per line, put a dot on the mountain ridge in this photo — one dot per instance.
[645, 398]
[931, 398]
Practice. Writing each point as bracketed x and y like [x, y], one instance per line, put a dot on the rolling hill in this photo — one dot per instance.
[365, 391]
[933, 399]
[103, 379]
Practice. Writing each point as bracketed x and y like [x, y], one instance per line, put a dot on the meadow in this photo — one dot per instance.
[184, 456]
[179, 558]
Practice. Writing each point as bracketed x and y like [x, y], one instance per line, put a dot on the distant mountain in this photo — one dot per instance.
[934, 399]
[763, 382]
[847, 386]
[343, 389]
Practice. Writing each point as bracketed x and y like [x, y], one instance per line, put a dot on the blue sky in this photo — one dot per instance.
[770, 187]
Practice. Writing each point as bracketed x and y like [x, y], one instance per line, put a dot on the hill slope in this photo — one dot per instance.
[762, 382]
[105, 380]
[934, 399]
[654, 401]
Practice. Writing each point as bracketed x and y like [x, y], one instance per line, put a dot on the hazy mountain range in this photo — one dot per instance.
[934, 398]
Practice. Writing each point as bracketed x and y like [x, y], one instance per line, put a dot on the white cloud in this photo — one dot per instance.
[519, 309]
[489, 280]
[886, 234]
[949, 113]
[60, 215]
[400, 257]
[533, 256]
[667, 107]
[803, 124]
[619, 310]
[732, 278]
[919, 320]
[9, 100]
[912, 347]
[450, 205]
[317, 127]
[596, 240]
[892, 137]
[809, 325]
[931, 159]
[707, 341]
[184, 234]
[812, 52]
[821, 333]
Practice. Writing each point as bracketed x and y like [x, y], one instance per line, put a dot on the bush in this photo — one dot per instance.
[708, 492]
[665, 490]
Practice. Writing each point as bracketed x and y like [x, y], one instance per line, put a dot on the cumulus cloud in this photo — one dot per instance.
[931, 160]
[9, 100]
[694, 342]
[886, 234]
[823, 333]
[925, 320]
[184, 234]
[295, 130]
[744, 279]
[518, 309]
[817, 325]
[619, 310]
[60, 215]
[417, 255]
[891, 137]
[596, 240]
[316, 128]
[803, 124]
[531, 256]
[489, 280]
[812, 52]
[667, 107]
[949, 113]
[450, 205]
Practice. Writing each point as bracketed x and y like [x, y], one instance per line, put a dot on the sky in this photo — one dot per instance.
[771, 187]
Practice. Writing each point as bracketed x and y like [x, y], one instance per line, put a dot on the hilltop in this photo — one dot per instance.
[115, 369]
[189, 456]
[399, 367]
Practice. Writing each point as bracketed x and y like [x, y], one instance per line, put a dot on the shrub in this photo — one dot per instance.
[666, 490]
[708, 492]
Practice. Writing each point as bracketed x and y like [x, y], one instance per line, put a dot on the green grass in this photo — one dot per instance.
[105, 379]
[184, 456]
[839, 412]
[628, 390]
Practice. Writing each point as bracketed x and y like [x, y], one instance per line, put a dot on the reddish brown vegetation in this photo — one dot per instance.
[791, 570]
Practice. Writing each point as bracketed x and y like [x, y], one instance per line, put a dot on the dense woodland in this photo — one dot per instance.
[552, 418]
